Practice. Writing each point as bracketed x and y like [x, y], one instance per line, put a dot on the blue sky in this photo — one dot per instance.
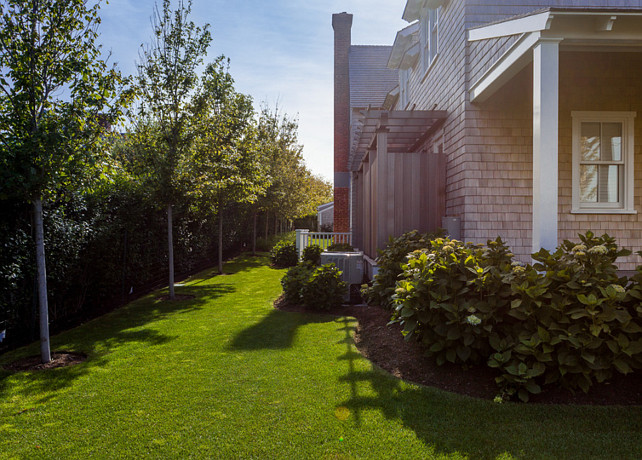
[280, 50]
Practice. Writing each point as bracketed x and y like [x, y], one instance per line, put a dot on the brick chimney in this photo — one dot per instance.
[342, 25]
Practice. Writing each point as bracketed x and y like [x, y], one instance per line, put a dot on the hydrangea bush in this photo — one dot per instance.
[567, 319]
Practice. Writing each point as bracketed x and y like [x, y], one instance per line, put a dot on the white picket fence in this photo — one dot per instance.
[305, 238]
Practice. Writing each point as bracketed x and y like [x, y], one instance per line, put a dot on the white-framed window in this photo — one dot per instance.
[429, 37]
[603, 154]
[404, 89]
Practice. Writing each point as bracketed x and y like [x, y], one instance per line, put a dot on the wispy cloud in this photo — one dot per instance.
[280, 50]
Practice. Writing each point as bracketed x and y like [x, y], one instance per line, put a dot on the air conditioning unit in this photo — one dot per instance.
[350, 263]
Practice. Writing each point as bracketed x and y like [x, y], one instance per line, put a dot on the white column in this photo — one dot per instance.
[301, 240]
[383, 210]
[545, 142]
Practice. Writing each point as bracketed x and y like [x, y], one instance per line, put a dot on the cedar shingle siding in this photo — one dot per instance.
[489, 145]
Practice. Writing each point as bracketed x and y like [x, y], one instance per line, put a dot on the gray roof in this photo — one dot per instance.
[370, 78]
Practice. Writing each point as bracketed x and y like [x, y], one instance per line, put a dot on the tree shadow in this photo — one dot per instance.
[464, 426]
[100, 336]
[275, 331]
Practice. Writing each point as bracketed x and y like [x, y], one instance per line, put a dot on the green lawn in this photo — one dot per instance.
[226, 376]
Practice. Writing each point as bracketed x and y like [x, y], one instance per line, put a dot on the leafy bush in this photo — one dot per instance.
[284, 254]
[449, 299]
[312, 254]
[340, 247]
[324, 289]
[294, 280]
[389, 265]
[573, 326]
[567, 320]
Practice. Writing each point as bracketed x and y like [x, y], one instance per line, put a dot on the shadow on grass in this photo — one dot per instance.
[99, 337]
[275, 331]
[462, 426]
[243, 263]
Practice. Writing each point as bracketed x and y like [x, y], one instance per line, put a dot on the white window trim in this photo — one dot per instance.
[426, 37]
[626, 206]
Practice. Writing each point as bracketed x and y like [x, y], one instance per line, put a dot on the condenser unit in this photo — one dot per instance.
[350, 264]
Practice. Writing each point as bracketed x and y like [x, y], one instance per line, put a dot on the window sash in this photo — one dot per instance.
[603, 161]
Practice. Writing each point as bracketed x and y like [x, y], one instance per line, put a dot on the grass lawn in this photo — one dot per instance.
[226, 376]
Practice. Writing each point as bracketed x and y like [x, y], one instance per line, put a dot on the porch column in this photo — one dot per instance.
[545, 142]
[382, 199]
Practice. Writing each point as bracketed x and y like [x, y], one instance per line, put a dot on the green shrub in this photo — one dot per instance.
[567, 320]
[451, 298]
[340, 247]
[312, 254]
[324, 289]
[573, 326]
[284, 254]
[294, 280]
[389, 265]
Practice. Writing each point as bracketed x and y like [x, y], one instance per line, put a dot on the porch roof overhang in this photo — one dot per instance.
[573, 28]
[407, 130]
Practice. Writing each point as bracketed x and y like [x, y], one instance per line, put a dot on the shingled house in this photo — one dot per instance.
[515, 119]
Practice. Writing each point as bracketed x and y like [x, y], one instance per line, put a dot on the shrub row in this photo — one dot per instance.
[567, 319]
[389, 265]
[315, 287]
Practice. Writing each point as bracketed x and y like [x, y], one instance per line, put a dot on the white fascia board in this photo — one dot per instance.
[410, 57]
[403, 41]
[525, 25]
[412, 11]
[506, 67]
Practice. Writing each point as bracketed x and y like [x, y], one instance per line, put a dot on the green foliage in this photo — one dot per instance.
[324, 289]
[389, 264]
[312, 254]
[567, 320]
[294, 281]
[448, 300]
[340, 247]
[284, 254]
[572, 325]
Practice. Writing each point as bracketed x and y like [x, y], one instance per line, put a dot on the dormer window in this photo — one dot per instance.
[430, 37]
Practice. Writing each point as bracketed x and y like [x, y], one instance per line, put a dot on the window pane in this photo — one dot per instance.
[608, 184]
[588, 183]
[612, 141]
[590, 141]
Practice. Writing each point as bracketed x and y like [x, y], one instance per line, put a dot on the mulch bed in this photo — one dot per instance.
[385, 347]
[58, 359]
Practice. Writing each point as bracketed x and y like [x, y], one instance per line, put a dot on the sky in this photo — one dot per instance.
[281, 52]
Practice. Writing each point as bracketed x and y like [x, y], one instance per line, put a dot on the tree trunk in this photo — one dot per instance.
[220, 241]
[276, 225]
[45, 349]
[267, 222]
[254, 235]
[170, 248]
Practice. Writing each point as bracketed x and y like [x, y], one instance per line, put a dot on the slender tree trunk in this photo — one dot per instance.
[267, 222]
[254, 235]
[276, 225]
[220, 241]
[170, 248]
[45, 349]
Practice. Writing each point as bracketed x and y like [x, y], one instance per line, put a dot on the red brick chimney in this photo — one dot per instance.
[342, 25]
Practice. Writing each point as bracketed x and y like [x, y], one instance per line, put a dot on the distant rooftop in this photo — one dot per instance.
[370, 78]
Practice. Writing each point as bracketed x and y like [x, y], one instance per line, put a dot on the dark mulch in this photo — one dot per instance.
[58, 359]
[385, 346]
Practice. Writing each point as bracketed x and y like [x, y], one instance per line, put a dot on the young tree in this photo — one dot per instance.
[168, 80]
[56, 98]
[227, 165]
